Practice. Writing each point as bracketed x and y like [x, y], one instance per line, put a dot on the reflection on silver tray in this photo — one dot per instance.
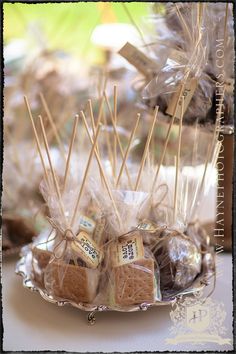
[23, 269]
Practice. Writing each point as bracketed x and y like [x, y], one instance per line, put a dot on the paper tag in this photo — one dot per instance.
[178, 56]
[138, 59]
[188, 93]
[148, 226]
[87, 249]
[128, 249]
[99, 231]
[87, 224]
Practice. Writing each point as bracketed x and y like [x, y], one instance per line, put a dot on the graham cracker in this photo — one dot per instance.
[40, 260]
[70, 282]
[134, 282]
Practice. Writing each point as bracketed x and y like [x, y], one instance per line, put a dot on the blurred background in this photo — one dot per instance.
[68, 53]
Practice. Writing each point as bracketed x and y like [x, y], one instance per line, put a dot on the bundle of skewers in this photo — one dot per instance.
[197, 49]
[123, 233]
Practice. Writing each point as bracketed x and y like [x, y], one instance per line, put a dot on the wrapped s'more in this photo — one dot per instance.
[134, 272]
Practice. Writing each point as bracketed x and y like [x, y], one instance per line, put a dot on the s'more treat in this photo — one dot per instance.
[133, 273]
[40, 260]
[75, 274]
[72, 282]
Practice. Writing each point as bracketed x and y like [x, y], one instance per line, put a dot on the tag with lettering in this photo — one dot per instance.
[128, 249]
[87, 224]
[148, 226]
[87, 249]
[138, 59]
[188, 93]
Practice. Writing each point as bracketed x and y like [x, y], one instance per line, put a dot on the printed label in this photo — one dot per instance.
[87, 224]
[87, 250]
[138, 59]
[128, 249]
[188, 92]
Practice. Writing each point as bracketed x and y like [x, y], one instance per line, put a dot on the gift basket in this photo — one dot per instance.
[123, 234]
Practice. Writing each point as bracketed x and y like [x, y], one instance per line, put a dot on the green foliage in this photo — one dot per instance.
[66, 26]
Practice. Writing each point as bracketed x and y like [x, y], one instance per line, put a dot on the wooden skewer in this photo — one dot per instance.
[85, 176]
[128, 149]
[87, 129]
[101, 169]
[178, 159]
[183, 22]
[108, 143]
[37, 140]
[55, 182]
[146, 149]
[70, 150]
[100, 112]
[115, 121]
[56, 133]
[92, 116]
[167, 137]
[118, 140]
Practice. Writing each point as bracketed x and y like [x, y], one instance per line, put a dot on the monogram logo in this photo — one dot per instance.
[198, 321]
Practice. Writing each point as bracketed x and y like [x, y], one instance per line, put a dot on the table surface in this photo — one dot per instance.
[32, 324]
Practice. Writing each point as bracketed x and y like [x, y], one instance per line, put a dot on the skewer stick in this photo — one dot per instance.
[101, 169]
[91, 116]
[128, 149]
[115, 121]
[167, 137]
[118, 140]
[55, 182]
[100, 112]
[37, 139]
[178, 158]
[85, 176]
[70, 150]
[88, 133]
[93, 125]
[108, 143]
[183, 22]
[56, 133]
[146, 149]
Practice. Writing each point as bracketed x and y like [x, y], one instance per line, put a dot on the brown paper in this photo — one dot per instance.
[138, 59]
[188, 92]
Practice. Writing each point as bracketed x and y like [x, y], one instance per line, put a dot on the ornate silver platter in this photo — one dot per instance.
[23, 268]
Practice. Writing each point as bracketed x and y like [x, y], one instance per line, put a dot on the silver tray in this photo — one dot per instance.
[23, 268]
